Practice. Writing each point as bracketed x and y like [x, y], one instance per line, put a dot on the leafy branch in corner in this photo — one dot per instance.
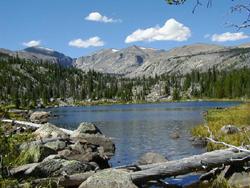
[238, 8]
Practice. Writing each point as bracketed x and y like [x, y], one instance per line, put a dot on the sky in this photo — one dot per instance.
[80, 27]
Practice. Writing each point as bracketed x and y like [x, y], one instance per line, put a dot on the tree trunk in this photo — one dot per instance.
[202, 162]
[32, 125]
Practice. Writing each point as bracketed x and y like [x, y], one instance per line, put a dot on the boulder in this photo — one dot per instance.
[86, 155]
[40, 117]
[56, 145]
[57, 167]
[240, 180]
[88, 132]
[50, 131]
[109, 178]
[99, 140]
[86, 128]
[199, 141]
[33, 153]
[229, 129]
[150, 158]
[53, 157]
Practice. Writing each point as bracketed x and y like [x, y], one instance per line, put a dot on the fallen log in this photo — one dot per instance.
[32, 125]
[206, 161]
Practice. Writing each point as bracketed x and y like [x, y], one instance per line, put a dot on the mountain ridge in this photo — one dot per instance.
[135, 61]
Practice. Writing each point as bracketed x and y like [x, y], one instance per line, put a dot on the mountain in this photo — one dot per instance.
[40, 54]
[123, 62]
[139, 61]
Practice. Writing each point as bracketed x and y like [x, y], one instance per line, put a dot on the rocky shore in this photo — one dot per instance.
[53, 152]
[40, 154]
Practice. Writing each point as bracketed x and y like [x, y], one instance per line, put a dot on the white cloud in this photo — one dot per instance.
[32, 43]
[170, 31]
[91, 42]
[97, 17]
[228, 37]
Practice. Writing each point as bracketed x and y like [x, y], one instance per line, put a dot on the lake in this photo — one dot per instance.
[140, 128]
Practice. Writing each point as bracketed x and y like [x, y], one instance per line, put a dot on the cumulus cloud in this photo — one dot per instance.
[172, 30]
[228, 37]
[97, 17]
[32, 43]
[91, 42]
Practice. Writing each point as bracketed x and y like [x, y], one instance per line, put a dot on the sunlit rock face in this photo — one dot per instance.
[138, 61]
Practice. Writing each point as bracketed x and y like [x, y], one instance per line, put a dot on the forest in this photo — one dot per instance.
[25, 84]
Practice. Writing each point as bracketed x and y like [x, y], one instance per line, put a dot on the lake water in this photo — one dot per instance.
[140, 128]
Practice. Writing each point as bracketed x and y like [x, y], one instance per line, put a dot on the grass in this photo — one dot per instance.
[238, 116]
[9, 145]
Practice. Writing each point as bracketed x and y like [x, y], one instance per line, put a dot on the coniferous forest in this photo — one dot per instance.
[24, 84]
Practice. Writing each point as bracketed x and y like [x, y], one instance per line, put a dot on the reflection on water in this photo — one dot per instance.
[139, 128]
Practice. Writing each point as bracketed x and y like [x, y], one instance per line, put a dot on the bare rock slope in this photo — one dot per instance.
[138, 61]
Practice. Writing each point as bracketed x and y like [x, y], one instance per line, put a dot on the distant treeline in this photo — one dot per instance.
[24, 83]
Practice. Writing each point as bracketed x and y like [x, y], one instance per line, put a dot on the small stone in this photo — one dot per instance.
[175, 135]
[229, 129]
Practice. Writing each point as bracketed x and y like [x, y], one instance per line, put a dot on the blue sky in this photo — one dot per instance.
[69, 27]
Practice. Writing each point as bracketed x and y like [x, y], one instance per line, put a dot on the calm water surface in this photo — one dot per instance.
[140, 128]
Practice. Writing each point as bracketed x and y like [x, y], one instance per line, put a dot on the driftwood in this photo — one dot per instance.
[32, 125]
[211, 161]
[206, 161]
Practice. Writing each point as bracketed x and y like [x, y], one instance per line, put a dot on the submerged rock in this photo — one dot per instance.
[109, 178]
[150, 158]
[40, 117]
[174, 135]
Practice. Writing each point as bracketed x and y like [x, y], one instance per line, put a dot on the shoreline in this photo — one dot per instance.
[98, 103]
[108, 102]
[212, 111]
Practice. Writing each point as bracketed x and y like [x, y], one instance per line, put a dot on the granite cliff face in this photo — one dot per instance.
[138, 61]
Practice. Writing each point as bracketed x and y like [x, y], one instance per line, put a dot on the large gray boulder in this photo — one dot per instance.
[100, 140]
[151, 158]
[50, 131]
[230, 129]
[91, 134]
[57, 167]
[57, 145]
[40, 117]
[240, 180]
[109, 178]
[86, 128]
